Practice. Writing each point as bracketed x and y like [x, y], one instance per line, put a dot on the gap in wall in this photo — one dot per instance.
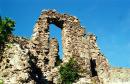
[56, 32]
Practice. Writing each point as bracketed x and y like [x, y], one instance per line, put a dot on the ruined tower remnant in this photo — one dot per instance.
[53, 49]
[76, 43]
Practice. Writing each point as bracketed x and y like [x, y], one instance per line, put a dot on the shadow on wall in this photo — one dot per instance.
[2, 46]
[93, 67]
[36, 73]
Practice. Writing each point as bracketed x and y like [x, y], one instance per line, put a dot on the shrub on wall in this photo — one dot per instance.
[69, 72]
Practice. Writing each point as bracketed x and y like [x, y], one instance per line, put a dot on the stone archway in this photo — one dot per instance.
[47, 50]
[75, 42]
[67, 23]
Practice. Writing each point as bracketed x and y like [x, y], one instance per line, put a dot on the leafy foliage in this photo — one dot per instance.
[69, 72]
[6, 27]
[1, 81]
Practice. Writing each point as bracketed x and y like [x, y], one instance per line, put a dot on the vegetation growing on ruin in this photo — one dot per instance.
[69, 72]
[6, 27]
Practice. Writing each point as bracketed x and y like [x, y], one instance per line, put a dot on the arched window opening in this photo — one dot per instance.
[55, 32]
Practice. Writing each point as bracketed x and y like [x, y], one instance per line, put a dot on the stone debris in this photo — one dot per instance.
[34, 61]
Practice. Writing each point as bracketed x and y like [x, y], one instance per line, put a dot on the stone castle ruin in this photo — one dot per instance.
[76, 43]
[34, 61]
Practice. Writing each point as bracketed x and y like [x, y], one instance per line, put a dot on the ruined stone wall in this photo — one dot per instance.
[42, 51]
[102, 65]
[119, 75]
[71, 34]
[75, 43]
[70, 27]
[53, 52]
[14, 66]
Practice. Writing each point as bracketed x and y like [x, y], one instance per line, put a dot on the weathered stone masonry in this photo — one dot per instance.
[41, 51]
[76, 43]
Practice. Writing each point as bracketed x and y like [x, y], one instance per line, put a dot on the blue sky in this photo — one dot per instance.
[109, 20]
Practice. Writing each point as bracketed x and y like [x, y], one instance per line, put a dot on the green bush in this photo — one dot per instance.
[6, 27]
[69, 72]
[1, 81]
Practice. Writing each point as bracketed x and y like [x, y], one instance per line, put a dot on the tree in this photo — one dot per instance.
[69, 72]
[6, 27]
